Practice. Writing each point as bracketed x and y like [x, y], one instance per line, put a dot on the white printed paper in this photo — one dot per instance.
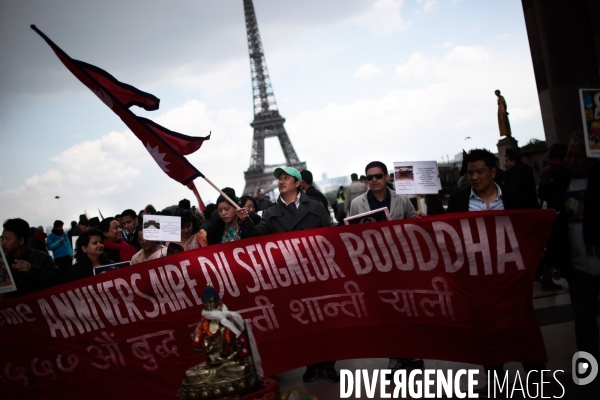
[416, 177]
[7, 283]
[162, 228]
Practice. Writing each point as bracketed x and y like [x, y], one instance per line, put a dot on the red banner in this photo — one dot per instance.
[456, 287]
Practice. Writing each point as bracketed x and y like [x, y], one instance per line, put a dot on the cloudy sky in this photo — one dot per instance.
[356, 80]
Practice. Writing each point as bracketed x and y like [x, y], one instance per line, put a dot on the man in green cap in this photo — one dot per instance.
[293, 211]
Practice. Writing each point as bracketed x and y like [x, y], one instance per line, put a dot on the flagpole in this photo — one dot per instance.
[235, 204]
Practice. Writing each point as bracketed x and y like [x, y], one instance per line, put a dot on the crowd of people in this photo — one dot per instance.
[570, 184]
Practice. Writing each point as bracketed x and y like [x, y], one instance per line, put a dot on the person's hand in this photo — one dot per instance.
[555, 271]
[242, 213]
[420, 214]
[62, 239]
[22, 265]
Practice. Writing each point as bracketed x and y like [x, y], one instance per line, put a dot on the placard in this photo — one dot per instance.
[381, 214]
[162, 228]
[7, 283]
[590, 112]
[416, 177]
[111, 267]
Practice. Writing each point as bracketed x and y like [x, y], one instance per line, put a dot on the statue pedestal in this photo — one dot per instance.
[268, 389]
[507, 142]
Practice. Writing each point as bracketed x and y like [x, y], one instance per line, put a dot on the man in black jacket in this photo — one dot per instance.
[574, 247]
[262, 201]
[130, 223]
[31, 269]
[293, 211]
[311, 191]
[484, 194]
[519, 177]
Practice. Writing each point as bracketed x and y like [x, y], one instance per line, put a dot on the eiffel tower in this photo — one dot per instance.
[267, 120]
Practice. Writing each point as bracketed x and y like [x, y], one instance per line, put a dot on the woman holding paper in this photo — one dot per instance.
[189, 230]
[88, 254]
[149, 251]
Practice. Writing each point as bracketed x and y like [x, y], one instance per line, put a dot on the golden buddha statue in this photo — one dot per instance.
[503, 121]
[225, 374]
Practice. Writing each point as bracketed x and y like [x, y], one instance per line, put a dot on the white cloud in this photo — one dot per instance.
[52, 176]
[385, 17]
[459, 61]
[521, 113]
[417, 66]
[428, 5]
[366, 71]
[438, 101]
[226, 75]
[445, 45]
[505, 36]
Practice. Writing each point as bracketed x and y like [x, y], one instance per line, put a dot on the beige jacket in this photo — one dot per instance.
[400, 206]
[354, 190]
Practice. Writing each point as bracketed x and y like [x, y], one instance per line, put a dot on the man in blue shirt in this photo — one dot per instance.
[484, 194]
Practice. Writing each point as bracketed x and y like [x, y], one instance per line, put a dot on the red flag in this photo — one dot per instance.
[180, 143]
[166, 147]
[192, 187]
[127, 94]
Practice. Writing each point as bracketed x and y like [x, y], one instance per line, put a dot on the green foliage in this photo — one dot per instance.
[534, 144]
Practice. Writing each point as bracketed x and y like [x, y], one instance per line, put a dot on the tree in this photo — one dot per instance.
[534, 144]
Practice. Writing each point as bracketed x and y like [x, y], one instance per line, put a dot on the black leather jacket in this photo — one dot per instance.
[559, 247]
[43, 273]
[309, 215]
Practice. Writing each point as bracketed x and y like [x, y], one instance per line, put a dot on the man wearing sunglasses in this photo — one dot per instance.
[380, 195]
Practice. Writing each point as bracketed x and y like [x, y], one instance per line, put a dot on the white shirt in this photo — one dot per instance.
[477, 204]
[297, 200]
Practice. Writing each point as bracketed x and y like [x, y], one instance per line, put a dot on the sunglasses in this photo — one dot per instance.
[376, 176]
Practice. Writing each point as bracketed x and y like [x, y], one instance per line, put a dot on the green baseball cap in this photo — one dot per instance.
[288, 170]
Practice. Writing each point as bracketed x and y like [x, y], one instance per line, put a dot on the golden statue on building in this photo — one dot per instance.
[503, 122]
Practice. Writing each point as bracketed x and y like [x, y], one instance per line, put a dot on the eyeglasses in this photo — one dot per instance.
[376, 176]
